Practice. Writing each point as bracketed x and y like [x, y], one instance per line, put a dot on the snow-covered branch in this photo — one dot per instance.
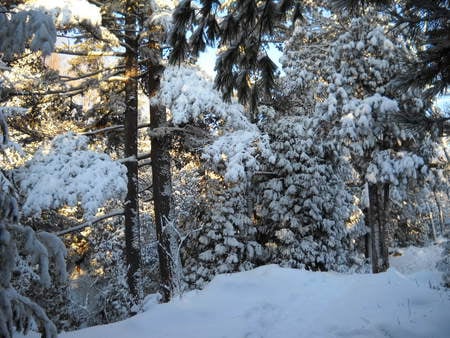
[65, 172]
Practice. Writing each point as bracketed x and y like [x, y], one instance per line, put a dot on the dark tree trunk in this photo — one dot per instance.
[162, 186]
[441, 214]
[162, 199]
[132, 226]
[368, 249]
[378, 218]
[384, 224]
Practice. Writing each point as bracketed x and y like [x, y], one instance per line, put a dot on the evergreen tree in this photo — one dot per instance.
[308, 214]
[426, 23]
[219, 235]
[17, 312]
[242, 31]
[132, 31]
[347, 101]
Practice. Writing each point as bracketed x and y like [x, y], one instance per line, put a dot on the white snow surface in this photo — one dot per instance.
[414, 259]
[278, 302]
[419, 264]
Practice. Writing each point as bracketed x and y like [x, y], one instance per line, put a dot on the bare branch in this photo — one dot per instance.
[103, 130]
[145, 163]
[88, 53]
[69, 79]
[142, 156]
[90, 223]
[111, 128]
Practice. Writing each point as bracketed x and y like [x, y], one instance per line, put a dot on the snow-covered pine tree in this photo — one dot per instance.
[220, 235]
[63, 171]
[17, 312]
[307, 213]
[345, 101]
[309, 217]
[427, 25]
[419, 208]
[360, 102]
[96, 31]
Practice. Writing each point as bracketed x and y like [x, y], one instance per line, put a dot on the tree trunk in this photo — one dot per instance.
[378, 217]
[168, 251]
[368, 248]
[384, 225]
[132, 226]
[162, 199]
[441, 214]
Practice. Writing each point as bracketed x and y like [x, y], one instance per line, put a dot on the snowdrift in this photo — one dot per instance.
[277, 302]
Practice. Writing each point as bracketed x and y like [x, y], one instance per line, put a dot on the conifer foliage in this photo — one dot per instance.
[426, 22]
[18, 312]
[26, 28]
[242, 30]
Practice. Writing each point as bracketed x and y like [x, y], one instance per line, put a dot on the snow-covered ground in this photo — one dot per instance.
[276, 302]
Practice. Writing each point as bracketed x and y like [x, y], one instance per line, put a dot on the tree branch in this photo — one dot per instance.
[111, 128]
[145, 163]
[88, 53]
[142, 156]
[69, 79]
[90, 223]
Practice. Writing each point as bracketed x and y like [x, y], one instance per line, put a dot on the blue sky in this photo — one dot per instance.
[207, 59]
[443, 102]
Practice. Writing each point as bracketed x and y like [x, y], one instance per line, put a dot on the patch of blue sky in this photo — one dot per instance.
[207, 59]
[443, 102]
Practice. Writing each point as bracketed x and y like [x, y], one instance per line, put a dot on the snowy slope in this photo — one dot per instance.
[419, 264]
[276, 302]
[414, 259]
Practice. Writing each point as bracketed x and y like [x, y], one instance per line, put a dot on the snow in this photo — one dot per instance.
[237, 150]
[191, 98]
[16, 30]
[68, 12]
[162, 13]
[278, 302]
[66, 172]
[419, 263]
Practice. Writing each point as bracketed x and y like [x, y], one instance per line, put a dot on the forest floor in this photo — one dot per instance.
[406, 301]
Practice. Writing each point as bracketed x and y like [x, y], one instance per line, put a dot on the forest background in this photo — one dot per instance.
[132, 172]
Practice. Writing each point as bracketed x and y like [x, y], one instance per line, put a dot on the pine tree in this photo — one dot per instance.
[106, 29]
[242, 31]
[348, 101]
[308, 215]
[17, 312]
[426, 23]
[219, 234]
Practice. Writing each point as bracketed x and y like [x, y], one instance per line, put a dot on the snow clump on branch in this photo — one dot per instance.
[68, 12]
[191, 98]
[65, 172]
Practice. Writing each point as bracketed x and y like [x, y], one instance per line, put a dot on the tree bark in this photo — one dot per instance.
[131, 208]
[378, 218]
[368, 249]
[384, 225]
[441, 214]
[162, 199]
